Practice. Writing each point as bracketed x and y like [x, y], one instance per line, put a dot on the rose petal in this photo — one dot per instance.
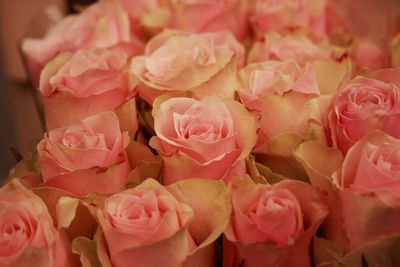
[87, 251]
[122, 245]
[320, 171]
[330, 74]
[211, 205]
[83, 182]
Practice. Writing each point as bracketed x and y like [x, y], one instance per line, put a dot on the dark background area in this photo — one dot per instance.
[19, 120]
[7, 131]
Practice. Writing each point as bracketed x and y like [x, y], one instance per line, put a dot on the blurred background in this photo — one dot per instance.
[19, 120]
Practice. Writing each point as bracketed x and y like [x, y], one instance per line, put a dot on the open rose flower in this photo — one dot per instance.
[104, 25]
[379, 159]
[86, 156]
[280, 47]
[272, 15]
[363, 105]
[153, 225]
[136, 218]
[76, 86]
[202, 139]
[370, 181]
[277, 92]
[211, 16]
[28, 235]
[364, 194]
[272, 225]
[201, 63]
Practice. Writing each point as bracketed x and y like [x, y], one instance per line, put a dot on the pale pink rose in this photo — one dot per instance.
[281, 47]
[363, 105]
[146, 226]
[104, 25]
[363, 189]
[369, 54]
[275, 15]
[76, 86]
[211, 16]
[202, 139]
[155, 225]
[276, 92]
[272, 225]
[86, 156]
[28, 235]
[378, 158]
[369, 185]
[176, 61]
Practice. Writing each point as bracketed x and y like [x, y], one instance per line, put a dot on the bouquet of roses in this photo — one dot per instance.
[211, 133]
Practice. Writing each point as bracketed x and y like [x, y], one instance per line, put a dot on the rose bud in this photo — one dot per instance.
[144, 225]
[201, 63]
[363, 105]
[364, 192]
[275, 91]
[270, 15]
[88, 82]
[102, 25]
[86, 156]
[208, 138]
[272, 225]
[153, 225]
[28, 235]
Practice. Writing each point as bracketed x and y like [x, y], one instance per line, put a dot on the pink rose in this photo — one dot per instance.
[201, 63]
[281, 47]
[363, 188]
[272, 225]
[28, 235]
[365, 104]
[202, 139]
[137, 218]
[369, 189]
[272, 15]
[86, 156]
[104, 24]
[378, 157]
[277, 92]
[211, 16]
[88, 82]
[153, 225]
